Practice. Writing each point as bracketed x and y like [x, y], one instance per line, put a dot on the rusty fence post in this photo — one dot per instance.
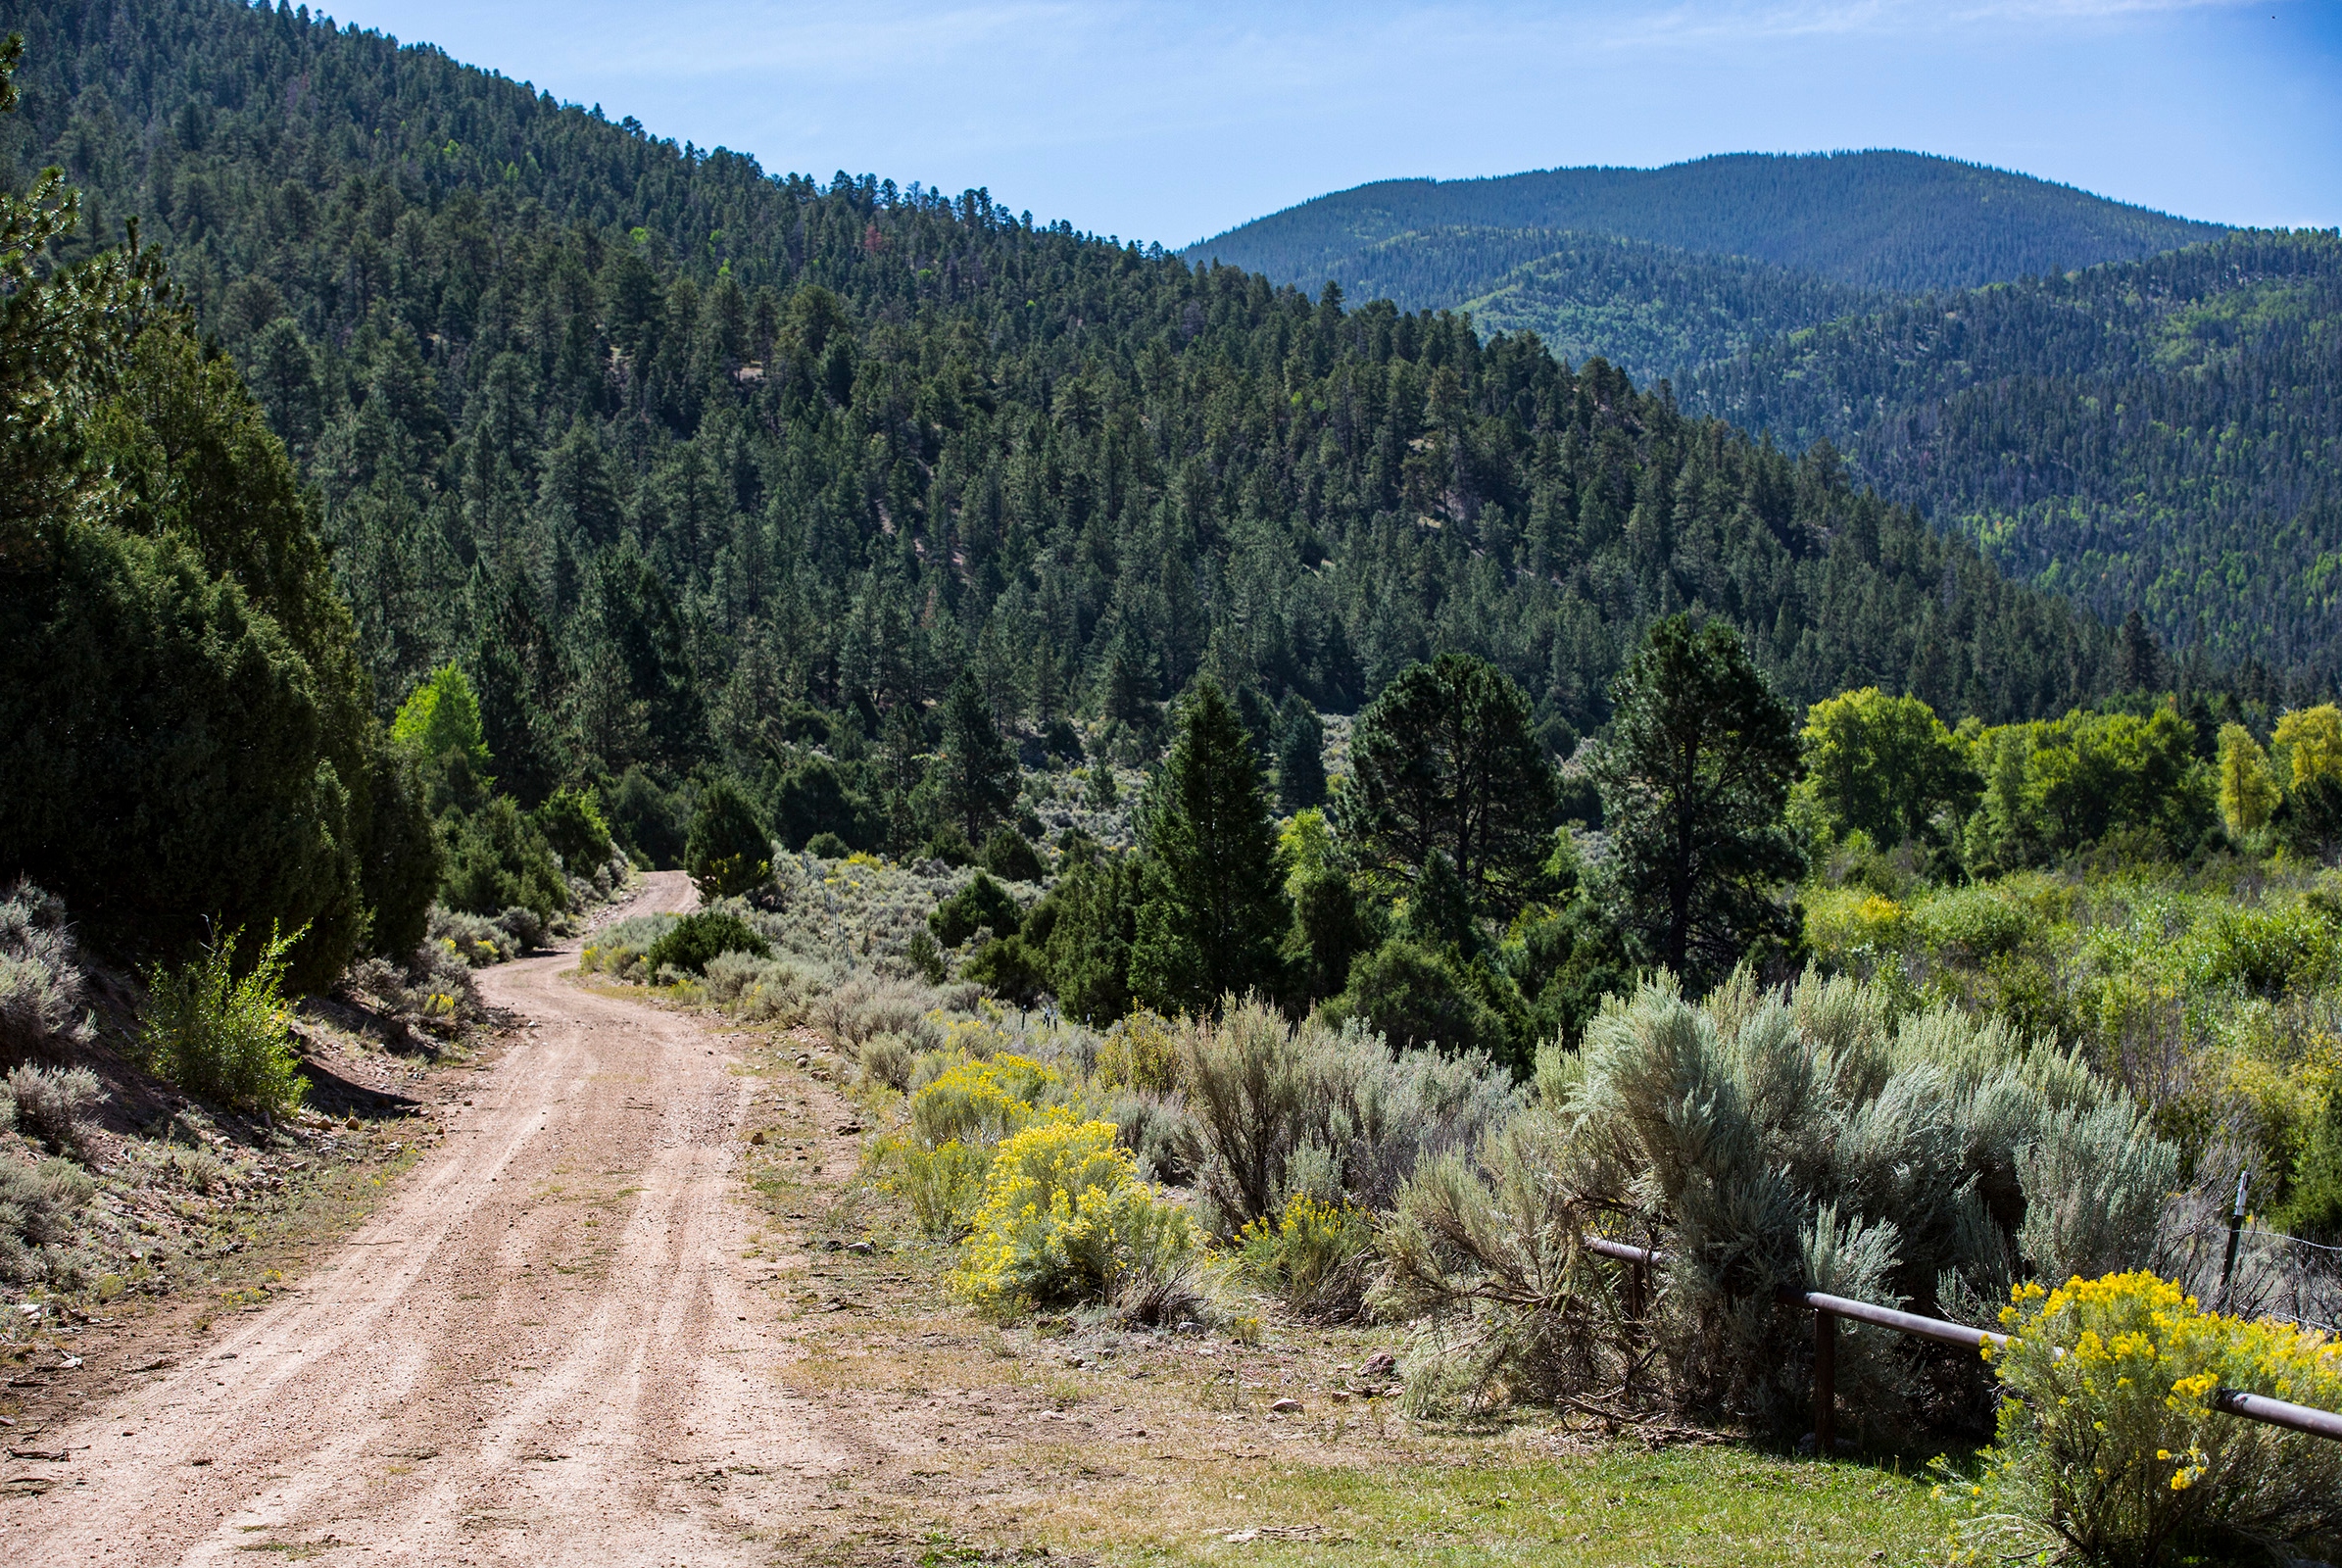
[1825, 1384]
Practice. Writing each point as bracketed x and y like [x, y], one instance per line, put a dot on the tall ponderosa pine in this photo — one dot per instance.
[976, 780]
[1444, 761]
[1215, 904]
[1695, 777]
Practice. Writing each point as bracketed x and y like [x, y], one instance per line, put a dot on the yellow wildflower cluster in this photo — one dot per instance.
[1065, 1219]
[2112, 1442]
[1851, 919]
[1306, 1246]
[939, 1164]
[984, 1100]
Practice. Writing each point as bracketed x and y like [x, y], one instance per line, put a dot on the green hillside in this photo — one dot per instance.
[1650, 310]
[665, 449]
[1871, 219]
[1656, 311]
[2161, 434]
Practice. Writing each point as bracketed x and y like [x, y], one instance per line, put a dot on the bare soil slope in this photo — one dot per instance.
[544, 1343]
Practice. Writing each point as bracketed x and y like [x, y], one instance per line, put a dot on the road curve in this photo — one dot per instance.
[542, 1349]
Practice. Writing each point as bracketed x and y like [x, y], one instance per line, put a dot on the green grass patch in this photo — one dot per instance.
[1721, 1504]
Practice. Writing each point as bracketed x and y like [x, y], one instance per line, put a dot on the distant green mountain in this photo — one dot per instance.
[2163, 434]
[1653, 310]
[1872, 219]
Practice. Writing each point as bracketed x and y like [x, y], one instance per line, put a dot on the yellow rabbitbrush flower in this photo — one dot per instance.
[983, 1101]
[1064, 1219]
[2112, 1449]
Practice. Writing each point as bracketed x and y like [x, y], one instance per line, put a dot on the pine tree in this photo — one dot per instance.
[1215, 904]
[728, 852]
[1695, 778]
[1444, 761]
[1301, 755]
[977, 781]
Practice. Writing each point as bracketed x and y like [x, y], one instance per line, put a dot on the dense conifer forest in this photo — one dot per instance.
[666, 449]
[1868, 220]
[2131, 411]
[2159, 435]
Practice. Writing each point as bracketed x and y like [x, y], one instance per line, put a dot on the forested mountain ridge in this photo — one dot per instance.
[2160, 434]
[1654, 311]
[1651, 310]
[662, 449]
[1878, 219]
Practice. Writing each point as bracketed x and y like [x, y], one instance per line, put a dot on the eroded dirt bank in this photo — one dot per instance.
[546, 1346]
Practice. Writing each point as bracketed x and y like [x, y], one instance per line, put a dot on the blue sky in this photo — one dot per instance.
[1173, 121]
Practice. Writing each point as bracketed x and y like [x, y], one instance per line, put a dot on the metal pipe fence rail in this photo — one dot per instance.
[1827, 1309]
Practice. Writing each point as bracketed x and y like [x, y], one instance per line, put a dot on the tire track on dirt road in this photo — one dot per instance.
[541, 1348]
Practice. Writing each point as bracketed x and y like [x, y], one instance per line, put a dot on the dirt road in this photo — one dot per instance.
[546, 1347]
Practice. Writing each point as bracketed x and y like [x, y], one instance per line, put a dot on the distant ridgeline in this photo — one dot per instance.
[2129, 408]
[662, 449]
[1663, 269]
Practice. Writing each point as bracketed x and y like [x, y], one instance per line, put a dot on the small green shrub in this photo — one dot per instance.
[1316, 1257]
[982, 905]
[2111, 1450]
[1009, 969]
[1415, 1001]
[925, 958]
[1977, 923]
[1008, 856]
[696, 938]
[728, 852]
[477, 941]
[572, 822]
[40, 978]
[54, 1104]
[1065, 1219]
[829, 847]
[890, 1059]
[762, 989]
[225, 1038]
[38, 1204]
[951, 846]
[944, 1186]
